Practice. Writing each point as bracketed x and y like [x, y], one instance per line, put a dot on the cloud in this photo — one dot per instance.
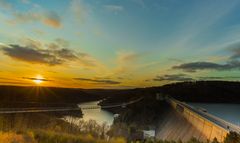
[98, 81]
[66, 54]
[51, 19]
[34, 53]
[231, 63]
[195, 66]
[62, 42]
[114, 8]
[37, 14]
[13, 83]
[127, 57]
[31, 55]
[4, 80]
[173, 77]
[25, 1]
[175, 60]
[235, 49]
[219, 77]
[126, 61]
[5, 5]
[79, 10]
[140, 2]
[33, 78]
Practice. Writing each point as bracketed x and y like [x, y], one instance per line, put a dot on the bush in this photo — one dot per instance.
[11, 137]
[215, 140]
[232, 137]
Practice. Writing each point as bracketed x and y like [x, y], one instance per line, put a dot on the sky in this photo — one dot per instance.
[118, 43]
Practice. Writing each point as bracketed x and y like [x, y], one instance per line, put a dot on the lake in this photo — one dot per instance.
[99, 115]
[227, 112]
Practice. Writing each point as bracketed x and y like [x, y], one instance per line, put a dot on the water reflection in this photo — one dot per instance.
[98, 115]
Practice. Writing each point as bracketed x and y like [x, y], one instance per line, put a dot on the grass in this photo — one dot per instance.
[43, 136]
[45, 128]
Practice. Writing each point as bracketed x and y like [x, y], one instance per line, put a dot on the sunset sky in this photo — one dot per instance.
[118, 43]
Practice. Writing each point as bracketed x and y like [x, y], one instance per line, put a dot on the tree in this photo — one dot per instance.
[232, 137]
[215, 140]
[194, 140]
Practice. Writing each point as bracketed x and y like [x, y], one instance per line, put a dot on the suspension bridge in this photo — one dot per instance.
[64, 109]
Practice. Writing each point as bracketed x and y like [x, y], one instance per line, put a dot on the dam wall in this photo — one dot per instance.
[208, 125]
[173, 126]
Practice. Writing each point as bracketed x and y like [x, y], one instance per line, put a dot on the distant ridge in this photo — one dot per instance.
[197, 91]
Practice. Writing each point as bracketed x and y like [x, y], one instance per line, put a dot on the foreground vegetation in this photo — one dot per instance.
[46, 128]
[49, 128]
[43, 136]
[53, 137]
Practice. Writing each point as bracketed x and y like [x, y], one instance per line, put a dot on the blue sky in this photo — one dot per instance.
[119, 43]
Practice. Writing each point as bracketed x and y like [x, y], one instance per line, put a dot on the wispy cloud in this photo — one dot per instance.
[25, 1]
[98, 81]
[173, 77]
[35, 14]
[33, 78]
[7, 81]
[219, 77]
[127, 57]
[231, 63]
[52, 19]
[48, 18]
[140, 2]
[126, 61]
[195, 66]
[79, 10]
[114, 8]
[235, 49]
[13, 83]
[5, 5]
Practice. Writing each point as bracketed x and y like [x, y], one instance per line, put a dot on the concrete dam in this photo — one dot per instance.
[183, 121]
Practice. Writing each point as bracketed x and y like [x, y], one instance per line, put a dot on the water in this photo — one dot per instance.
[227, 112]
[99, 115]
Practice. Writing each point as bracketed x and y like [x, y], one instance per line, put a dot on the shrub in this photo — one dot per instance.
[215, 140]
[232, 137]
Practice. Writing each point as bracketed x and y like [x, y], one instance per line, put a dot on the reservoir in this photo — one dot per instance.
[99, 115]
[227, 112]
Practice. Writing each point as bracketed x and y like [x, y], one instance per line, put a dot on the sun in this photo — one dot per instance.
[38, 79]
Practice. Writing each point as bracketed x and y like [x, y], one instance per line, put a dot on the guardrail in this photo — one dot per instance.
[211, 118]
[36, 110]
[209, 125]
[61, 109]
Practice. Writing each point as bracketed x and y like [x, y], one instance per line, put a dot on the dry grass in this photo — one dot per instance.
[42, 136]
[11, 137]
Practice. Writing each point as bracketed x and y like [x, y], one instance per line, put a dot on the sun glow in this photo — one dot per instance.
[38, 80]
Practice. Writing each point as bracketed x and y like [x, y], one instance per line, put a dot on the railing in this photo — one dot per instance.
[36, 110]
[211, 118]
[62, 109]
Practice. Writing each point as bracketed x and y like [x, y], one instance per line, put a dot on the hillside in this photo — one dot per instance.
[199, 91]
